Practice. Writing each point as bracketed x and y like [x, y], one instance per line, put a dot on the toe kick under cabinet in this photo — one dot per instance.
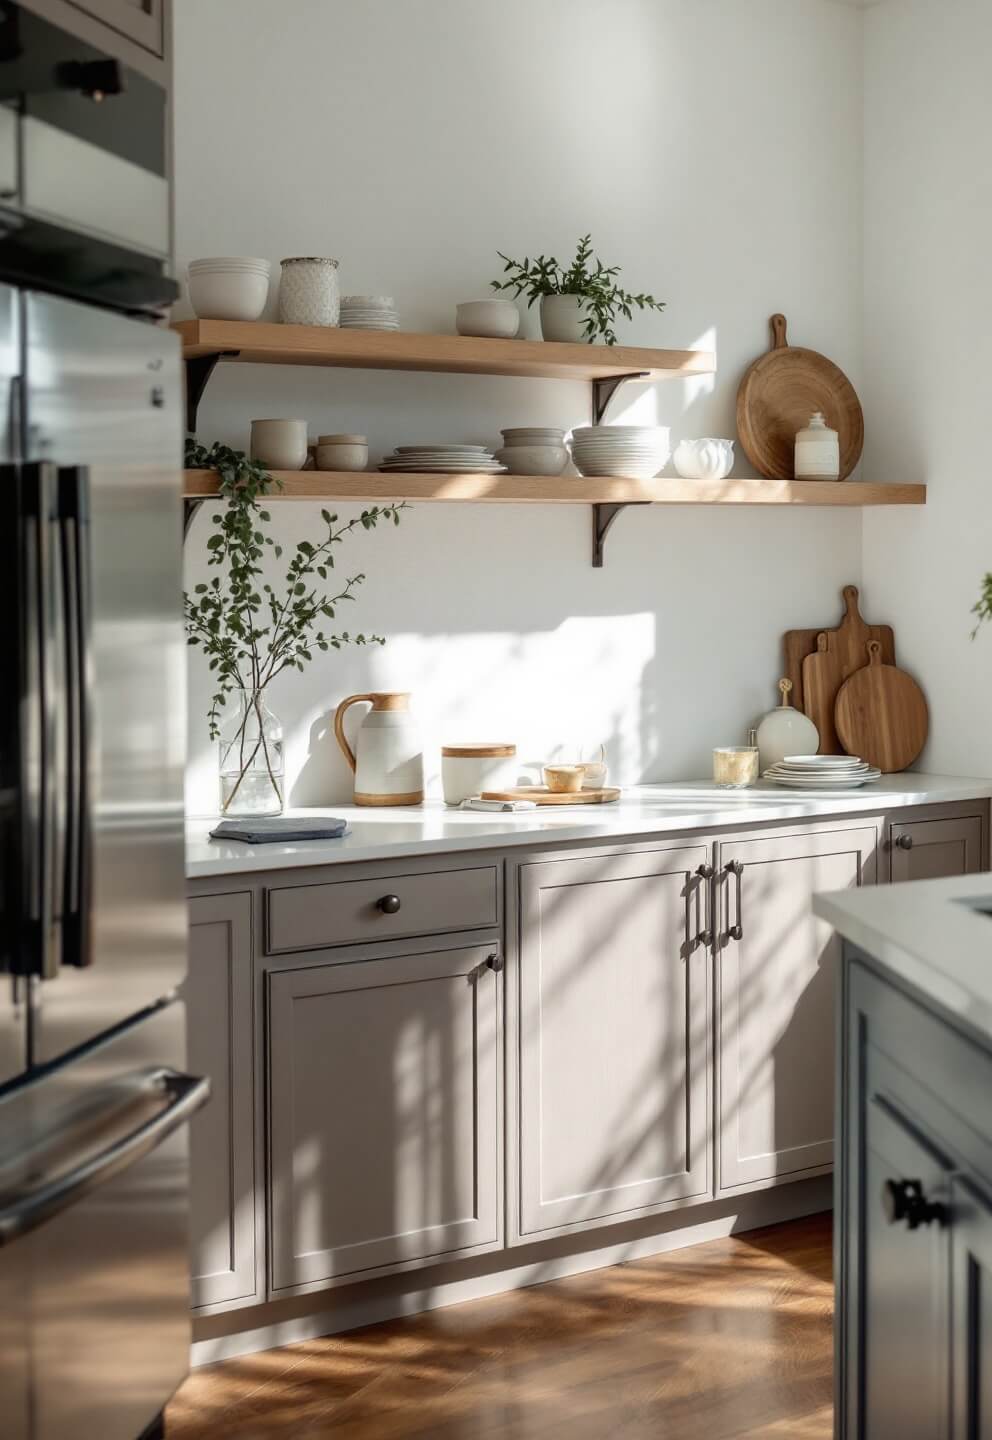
[402, 1076]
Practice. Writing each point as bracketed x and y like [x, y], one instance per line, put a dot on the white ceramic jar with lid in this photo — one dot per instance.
[818, 451]
[468, 769]
[785, 731]
[308, 291]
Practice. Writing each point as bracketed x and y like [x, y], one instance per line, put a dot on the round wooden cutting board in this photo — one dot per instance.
[778, 395]
[881, 714]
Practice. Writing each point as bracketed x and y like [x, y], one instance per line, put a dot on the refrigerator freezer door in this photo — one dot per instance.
[103, 403]
[93, 1204]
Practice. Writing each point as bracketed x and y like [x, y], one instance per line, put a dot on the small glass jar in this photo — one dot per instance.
[308, 291]
[735, 766]
[250, 758]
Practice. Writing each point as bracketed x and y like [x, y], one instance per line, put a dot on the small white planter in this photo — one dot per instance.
[563, 317]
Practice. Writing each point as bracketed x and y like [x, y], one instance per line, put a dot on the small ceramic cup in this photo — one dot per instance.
[279, 444]
[564, 779]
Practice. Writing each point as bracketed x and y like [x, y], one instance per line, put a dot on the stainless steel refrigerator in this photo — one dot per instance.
[94, 1096]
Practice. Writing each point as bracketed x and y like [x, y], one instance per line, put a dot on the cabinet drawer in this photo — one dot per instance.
[341, 912]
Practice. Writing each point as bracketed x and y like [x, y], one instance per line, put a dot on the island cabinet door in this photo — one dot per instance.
[385, 1114]
[611, 1039]
[971, 1318]
[775, 965]
[218, 993]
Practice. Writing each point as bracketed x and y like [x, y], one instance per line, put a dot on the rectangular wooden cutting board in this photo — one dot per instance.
[848, 644]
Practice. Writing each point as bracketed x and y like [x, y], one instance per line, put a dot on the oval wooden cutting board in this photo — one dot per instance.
[881, 714]
[780, 392]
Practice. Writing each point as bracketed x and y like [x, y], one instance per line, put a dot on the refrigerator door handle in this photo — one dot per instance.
[44, 780]
[75, 533]
[33, 1206]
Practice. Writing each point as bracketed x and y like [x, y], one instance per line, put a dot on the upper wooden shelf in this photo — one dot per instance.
[262, 343]
[371, 485]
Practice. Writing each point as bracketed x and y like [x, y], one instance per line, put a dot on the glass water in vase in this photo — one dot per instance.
[251, 758]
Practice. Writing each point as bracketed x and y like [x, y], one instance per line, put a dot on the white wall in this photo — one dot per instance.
[714, 150]
[928, 352]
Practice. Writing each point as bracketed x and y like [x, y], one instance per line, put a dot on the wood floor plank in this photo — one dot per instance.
[724, 1341]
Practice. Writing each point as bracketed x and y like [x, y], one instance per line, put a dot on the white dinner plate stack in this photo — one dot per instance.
[443, 460]
[822, 772]
[638, 451]
[368, 312]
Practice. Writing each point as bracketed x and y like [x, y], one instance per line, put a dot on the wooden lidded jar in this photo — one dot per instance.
[468, 769]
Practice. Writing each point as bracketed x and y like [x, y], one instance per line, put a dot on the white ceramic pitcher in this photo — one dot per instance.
[388, 759]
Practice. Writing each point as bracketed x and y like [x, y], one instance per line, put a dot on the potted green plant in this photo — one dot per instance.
[579, 302]
[251, 631]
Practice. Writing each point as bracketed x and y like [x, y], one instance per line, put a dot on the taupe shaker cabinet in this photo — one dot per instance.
[405, 1088]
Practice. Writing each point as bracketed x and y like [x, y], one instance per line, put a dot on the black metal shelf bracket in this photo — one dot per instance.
[199, 369]
[603, 516]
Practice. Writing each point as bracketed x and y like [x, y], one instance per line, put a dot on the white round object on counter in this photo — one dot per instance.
[785, 731]
[468, 769]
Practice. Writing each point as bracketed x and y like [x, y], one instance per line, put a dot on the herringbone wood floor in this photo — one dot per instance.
[721, 1341]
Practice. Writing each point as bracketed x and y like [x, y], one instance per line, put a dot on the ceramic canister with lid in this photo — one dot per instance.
[818, 451]
[308, 291]
[468, 769]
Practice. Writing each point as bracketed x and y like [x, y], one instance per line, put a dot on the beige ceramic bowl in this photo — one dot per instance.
[342, 452]
[564, 779]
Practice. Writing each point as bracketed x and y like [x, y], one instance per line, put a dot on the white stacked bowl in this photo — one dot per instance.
[228, 287]
[637, 451]
[533, 450]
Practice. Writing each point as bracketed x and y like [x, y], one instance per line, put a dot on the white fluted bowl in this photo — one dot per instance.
[706, 459]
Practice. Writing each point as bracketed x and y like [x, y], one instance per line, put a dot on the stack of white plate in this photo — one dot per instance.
[443, 460]
[368, 312]
[822, 772]
[639, 451]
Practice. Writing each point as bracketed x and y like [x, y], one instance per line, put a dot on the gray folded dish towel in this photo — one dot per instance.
[281, 828]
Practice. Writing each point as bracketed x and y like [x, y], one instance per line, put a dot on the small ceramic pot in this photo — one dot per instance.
[818, 451]
[497, 319]
[704, 459]
[279, 444]
[564, 779]
[563, 317]
[342, 452]
[308, 291]
[533, 459]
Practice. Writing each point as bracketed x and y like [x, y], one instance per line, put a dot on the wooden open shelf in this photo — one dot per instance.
[257, 342]
[369, 485]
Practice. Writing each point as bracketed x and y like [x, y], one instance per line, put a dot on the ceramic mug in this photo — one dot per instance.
[279, 444]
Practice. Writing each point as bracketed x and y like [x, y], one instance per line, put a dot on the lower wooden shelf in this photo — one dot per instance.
[557, 490]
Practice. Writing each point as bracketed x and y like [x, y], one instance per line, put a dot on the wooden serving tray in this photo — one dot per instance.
[541, 795]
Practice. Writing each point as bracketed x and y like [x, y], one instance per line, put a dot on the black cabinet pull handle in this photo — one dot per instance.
[905, 842]
[905, 1200]
[389, 904]
[736, 868]
[495, 963]
[705, 873]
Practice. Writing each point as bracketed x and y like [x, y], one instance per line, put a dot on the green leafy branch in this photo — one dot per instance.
[587, 277]
[983, 606]
[249, 631]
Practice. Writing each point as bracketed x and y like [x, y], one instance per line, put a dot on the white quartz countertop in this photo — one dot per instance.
[382, 834]
[933, 935]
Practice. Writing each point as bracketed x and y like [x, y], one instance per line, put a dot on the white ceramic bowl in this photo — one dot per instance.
[533, 459]
[237, 292]
[706, 459]
[533, 435]
[495, 319]
[229, 262]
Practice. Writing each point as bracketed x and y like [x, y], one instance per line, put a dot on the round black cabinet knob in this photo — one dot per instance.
[495, 963]
[905, 1200]
[389, 904]
[905, 842]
